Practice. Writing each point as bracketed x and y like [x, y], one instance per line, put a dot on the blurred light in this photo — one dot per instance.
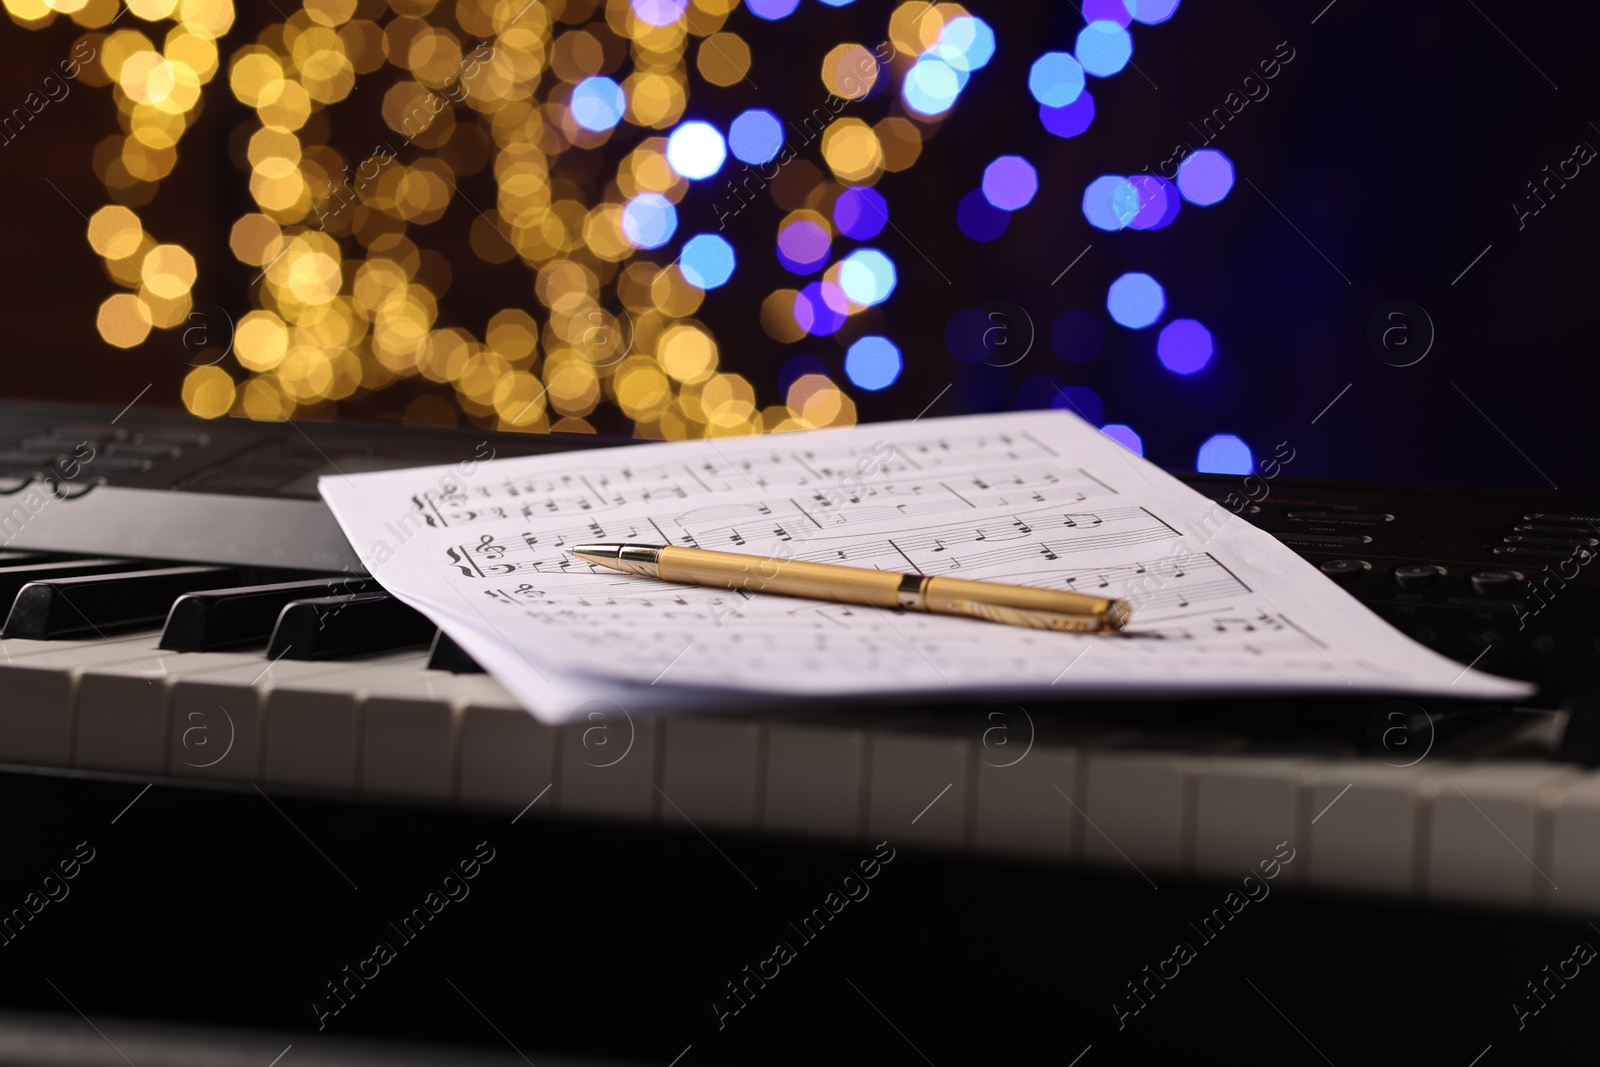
[796, 367]
[1010, 182]
[707, 261]
[1077, 335]
[1056, 79]
[867, 276]
[1071, 120]
[649, 220]
[1124, 436]
[872, 362]
[1224, 454]
[860, 213]
[1081, 400]
[1204, 177]
[755, 136]
[1109, 202]
[803, 245]
[696, 150]
[1151, 12]
[771, 9]
[979, 219]
[1103, 48]
[598, 104]
[967, 335]
[820, 308]
[1118, 11]
[1136, 300]
[838, 3]
[1157, 202]
[966, 43]
[1184, 346]
[932, 85]
[660, 12]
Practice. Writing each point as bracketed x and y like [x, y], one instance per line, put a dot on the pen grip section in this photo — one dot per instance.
[730, 570]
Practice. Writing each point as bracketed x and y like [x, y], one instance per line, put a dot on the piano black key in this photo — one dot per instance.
[236, 618]
[100, 603]
[331, 627]
[13, 578]
[21, 559]
[446, 655]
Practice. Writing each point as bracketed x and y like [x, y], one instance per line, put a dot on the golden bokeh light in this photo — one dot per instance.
[723, 59]
[123, 321]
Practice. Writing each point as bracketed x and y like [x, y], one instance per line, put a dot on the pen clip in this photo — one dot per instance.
[1036, 620]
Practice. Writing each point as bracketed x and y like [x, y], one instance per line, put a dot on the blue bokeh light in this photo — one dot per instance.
[1077, 335]
[1071, 120]
[707, 261]
[873, 362]
[932, 85]
[1118, 11]
[755, 136]
[966, 43]
[861, 213]
[867, 276]
[1184, 346]
[1109, 202]
[820, 308]
[771, 9]
[1103, 48]
[696, 150]
[979, 219]
[967, 335]
[838, 3]
[649, 220]
[1151, 12]
[1204, 177]
[1056, 79]
[1124, 436]
[1136, 300]
[660, 12]
[796, 367]
[1224, 454]
[1081, 400]
[1010, 182]
[598, 104]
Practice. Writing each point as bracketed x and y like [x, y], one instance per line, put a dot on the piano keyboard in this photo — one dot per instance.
[352, 707]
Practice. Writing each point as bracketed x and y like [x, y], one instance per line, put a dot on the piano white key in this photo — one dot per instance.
[1484, 833]
[1245, 806]
[408, 733]
[1575, 847]
[508, 758]
[815, 778]
[918, 784]
[1365, 825]
[1138, 803]
[38, 686]
[121, 714]
[1028, 786]
[304, 746]
[608, 765]
[710, 771]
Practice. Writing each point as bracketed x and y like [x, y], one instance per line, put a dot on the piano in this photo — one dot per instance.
[184, 620]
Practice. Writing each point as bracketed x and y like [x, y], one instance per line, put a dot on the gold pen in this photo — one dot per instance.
[1015, 605]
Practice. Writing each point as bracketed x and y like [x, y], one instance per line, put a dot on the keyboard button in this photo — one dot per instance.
[90, 604]
[12, 579]
[1416, 576]
[1550, 542]
[507, 758]
[1497, 583]
[1366, 518]
[1136, 801]
[1484, 833]
[342, 626]
[1582, 555]
[1321, 539]
[1578, 520]
[1025, 803]
[710, 771]
[406, 746]
[1344, 571]
[121, 715]
[245, 615]
[608, 760]
[1244, 807]
[9, 560]
[173, 437]
[918, 784]
[1536, 528]
[446, 655]
[1574, 860]
[142, 451]
[38, 679]
[1365, 825]
[815, 775]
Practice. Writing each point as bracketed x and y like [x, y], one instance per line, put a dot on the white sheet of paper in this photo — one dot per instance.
[1032, 498]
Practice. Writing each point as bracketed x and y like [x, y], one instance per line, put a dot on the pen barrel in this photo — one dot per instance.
[730, 570]
[941, 595]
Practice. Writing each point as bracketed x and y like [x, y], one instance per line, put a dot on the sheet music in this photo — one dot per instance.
[1032, 498]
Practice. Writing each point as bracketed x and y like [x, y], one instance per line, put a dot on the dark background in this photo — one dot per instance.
[1392, 148]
